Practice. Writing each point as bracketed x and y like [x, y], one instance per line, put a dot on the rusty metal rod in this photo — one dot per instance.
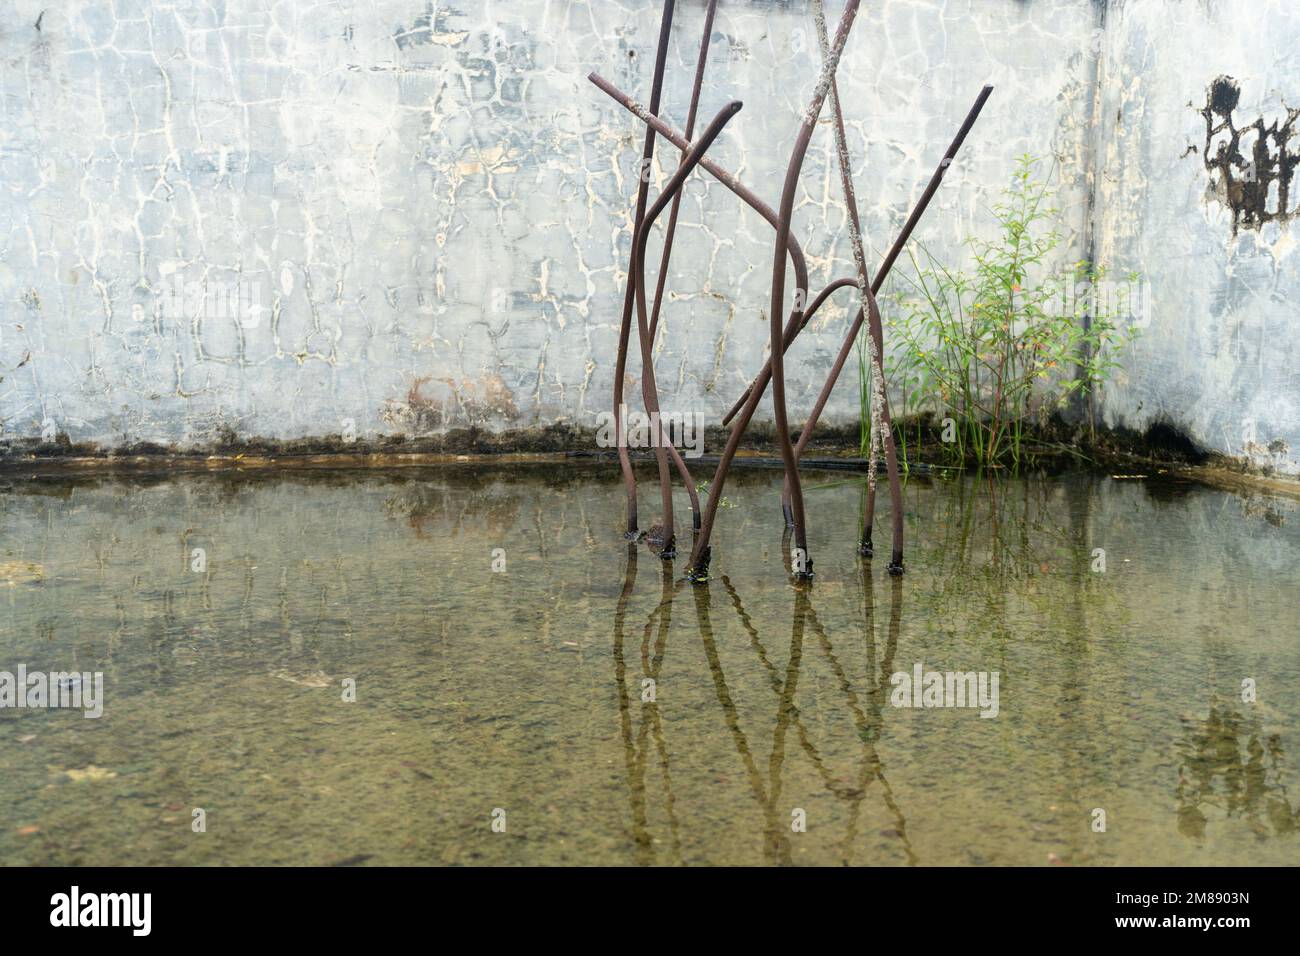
[649, 392]
[882, 273]
[879, 436]
[668, 244]
[698, 571]
[689, 482]
[847, 281]
[625, 327]
[822, 296]
[881, 432]
[803, 567]
[727, 179]
[791, 333]
[797, 259]
[866, 546]
[677, 199]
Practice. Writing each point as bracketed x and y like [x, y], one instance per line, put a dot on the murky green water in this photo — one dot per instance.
[522, 690]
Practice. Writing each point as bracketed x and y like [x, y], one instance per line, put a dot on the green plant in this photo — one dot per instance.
[992, 350]
[702, 487]
[864, 406]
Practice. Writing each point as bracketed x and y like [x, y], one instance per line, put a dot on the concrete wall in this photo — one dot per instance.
[289, 220]
[1220, 356]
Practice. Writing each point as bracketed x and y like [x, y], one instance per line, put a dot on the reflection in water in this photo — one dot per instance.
[473, 609]
[1226, 764]
[651, 664]
[866, 709]
[442, 509]
[1012, 545]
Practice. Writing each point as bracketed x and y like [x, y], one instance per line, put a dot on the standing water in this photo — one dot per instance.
[375, 668]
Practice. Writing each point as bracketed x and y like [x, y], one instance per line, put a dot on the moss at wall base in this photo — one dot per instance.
[1058, 445]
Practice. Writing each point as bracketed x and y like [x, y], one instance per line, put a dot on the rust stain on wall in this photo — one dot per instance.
[1251, 167]
[431, 404]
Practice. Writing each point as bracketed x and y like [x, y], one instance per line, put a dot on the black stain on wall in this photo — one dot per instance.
[1252, 167]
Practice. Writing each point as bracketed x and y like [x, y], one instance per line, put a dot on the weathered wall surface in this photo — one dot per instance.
[397, 216]
[417, 214]
[1195, 189]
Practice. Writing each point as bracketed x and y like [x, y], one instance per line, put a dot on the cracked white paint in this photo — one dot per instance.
[431, 206]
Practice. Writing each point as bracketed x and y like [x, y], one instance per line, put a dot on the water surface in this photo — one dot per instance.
[524, 690]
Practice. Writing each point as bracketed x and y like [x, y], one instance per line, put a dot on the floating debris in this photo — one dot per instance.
[90, 774]
[314, 679]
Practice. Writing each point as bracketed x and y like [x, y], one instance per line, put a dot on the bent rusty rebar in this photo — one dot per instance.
[781, 337]
[746, 195]
[790, 336]
[886, 264]
[866, 546]
[728, 179]
[668, 245]
[698, 570]
[671, 229]
[625, 327]
[649, 392]
[881, 432]
[822, 296]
